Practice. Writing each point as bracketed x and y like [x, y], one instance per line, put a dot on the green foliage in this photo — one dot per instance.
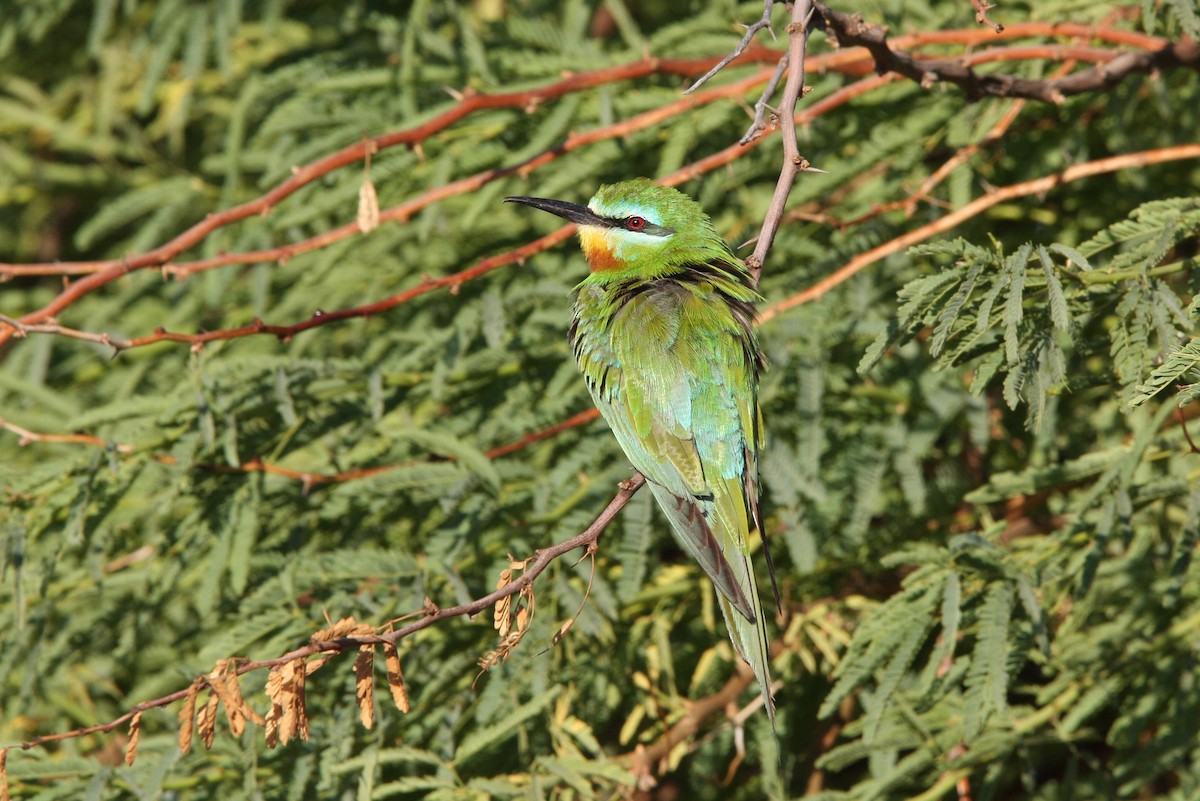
[978, 478]
[1016, 315]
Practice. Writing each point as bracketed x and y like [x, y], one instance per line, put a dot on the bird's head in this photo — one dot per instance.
[640, 229]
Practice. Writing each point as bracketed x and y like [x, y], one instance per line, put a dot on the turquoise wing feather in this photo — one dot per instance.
[673, 371]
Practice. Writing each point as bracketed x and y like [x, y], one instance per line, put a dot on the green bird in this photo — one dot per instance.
[663, 334]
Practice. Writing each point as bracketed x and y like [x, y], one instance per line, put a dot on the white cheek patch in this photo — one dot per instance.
[629, 245]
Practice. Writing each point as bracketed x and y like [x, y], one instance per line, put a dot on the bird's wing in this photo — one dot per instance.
[681, 399]
[674, 374]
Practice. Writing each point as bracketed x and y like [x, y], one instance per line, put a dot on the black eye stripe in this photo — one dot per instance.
[646, 227]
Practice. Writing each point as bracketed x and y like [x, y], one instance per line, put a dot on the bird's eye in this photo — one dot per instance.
[635, 223]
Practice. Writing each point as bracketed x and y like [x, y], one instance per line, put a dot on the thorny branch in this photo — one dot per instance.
[793, 162]
[759, 123]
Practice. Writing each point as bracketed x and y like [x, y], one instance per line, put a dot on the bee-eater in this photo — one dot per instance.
[664, 338]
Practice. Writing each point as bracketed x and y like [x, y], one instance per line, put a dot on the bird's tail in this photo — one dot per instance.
[728, 565]
[750, 639]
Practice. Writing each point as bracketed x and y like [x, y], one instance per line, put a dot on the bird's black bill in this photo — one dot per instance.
[580, 215]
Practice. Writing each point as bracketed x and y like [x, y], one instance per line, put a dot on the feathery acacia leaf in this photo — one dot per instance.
[977, 479]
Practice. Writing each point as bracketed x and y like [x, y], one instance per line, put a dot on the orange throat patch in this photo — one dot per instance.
[595, 248]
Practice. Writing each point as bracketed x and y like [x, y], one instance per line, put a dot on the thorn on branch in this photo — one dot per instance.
[1183, 424]
[760, 123]
[982, 7]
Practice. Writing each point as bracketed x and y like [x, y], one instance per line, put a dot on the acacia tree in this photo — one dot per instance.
[282, 380]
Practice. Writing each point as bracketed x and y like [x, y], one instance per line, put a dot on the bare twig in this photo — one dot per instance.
[28, 437]
[975, 207]
[642, 761]
[793, 162]
[763, 22]
[850, 29]
[1186, 434]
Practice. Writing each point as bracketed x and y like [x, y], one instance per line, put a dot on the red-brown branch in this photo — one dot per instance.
[851, 62]
[28, 437]
[104, 272]
[979, 205]
[307, 478]
[24, 325]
